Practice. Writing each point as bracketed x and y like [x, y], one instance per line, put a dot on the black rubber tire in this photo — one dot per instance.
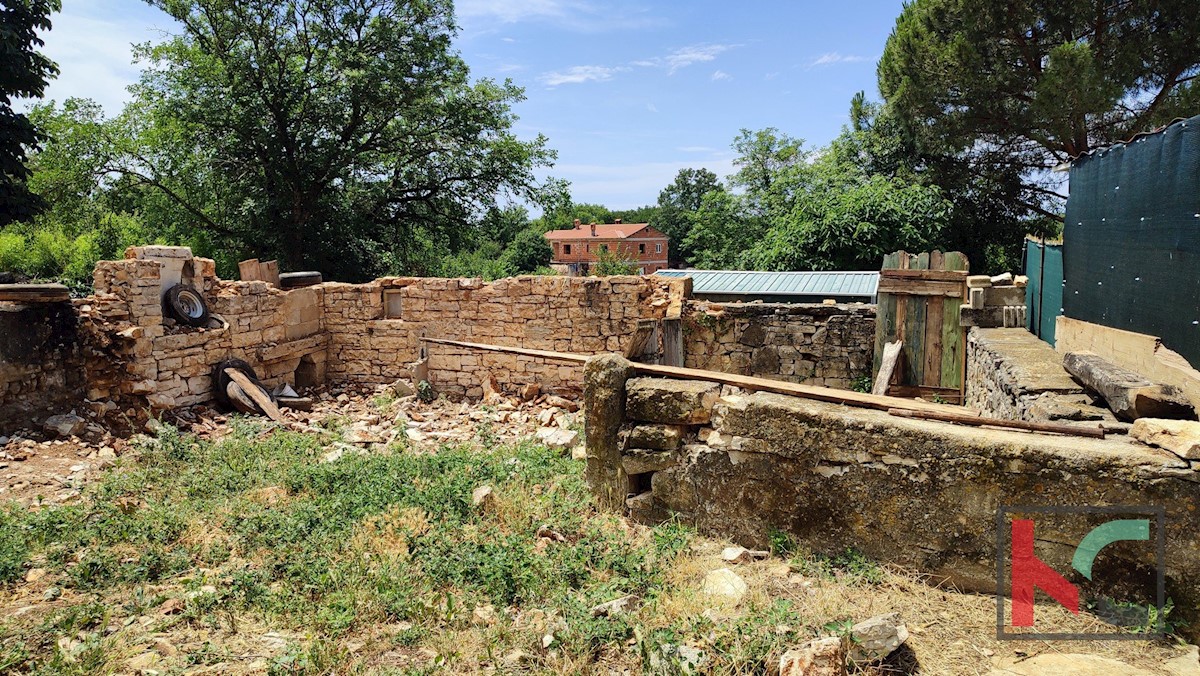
[186, 305]
[295, 280]
[221, 381]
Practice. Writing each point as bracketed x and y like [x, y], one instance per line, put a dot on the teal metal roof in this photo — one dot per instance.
[755, 283]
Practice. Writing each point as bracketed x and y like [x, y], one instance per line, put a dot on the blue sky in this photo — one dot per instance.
[627, 91]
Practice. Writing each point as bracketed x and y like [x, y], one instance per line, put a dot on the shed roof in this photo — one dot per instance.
[603, 231]
[755, 283]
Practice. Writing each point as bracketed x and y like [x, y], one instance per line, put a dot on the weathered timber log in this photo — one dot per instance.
[1128, 394]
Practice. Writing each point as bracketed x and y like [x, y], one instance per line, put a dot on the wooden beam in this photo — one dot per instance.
[249, 270]
[258, 394]
[1139, 352]
[920, 287]
[979, 421]
[891, 355]
[959, 276]
[827, 394]
[637, 344]
[1128, 394]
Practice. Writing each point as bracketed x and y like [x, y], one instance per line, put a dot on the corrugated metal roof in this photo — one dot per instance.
[755, 283]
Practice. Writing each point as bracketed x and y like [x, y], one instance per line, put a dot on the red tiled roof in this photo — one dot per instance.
[603, 231]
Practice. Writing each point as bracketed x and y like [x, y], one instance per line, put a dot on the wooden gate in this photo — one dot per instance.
[919, 297]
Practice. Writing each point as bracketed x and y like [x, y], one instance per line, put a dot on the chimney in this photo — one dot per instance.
[617, 221]
[578, 224]
[593, 229]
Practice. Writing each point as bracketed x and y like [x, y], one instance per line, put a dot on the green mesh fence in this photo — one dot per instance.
[1044, 295]
[1131, 255]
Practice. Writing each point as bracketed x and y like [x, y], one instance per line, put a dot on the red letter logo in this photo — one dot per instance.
[1028, 571]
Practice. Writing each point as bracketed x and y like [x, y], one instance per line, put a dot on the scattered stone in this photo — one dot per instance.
[819, 657]
[65, 425]
[579, 453]
[743, 555]
[484, 616]
[414, 435]
[616, 606]
[562, 402]
[547, 533]
[483, 497]
[876, 638]
[530, 392]
[556, 437]
[515, 658]
[402, 389]
[171, 607]
[1181, 437]
[35, 574]
[165, 648]
[146, 663]
[491, 391]
[725, 584]
[1187, 664]
[51, 593]
[641, 461]
[676, 660]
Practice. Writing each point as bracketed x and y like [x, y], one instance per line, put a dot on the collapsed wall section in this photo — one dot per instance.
[41, 362]
[813, 344]
[917, 493]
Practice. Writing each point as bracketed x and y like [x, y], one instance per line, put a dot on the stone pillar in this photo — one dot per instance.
[604, 406]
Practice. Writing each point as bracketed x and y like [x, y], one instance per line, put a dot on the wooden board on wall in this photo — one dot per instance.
[1138, 352]
[919, 298]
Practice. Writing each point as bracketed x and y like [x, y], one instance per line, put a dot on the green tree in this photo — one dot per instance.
[1002, 87]
[24, 73]
[677, 203]
[285, 126]
[721, 231]
[528, 251]
[612, 263]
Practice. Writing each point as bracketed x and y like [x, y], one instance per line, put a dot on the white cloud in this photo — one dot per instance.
[682, 58]
[579, 75]
[651, 107]
[830, 58]
[92, 45]
[721, 75]
[510, 40]
[579, 15]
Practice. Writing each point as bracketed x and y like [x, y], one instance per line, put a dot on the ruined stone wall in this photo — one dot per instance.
[41, 363]
[371, 338]
[1014, 375]
[830, 345]
[921, 494]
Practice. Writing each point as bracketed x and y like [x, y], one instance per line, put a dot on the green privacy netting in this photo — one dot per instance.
[1044, 295]
[1131, 254]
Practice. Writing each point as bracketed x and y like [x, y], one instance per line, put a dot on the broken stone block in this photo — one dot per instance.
[678, 402]
[65, 425]
[615, 607]
[642, 461]
[743, 555]
[530, 392]
[878, 637]
[554, 437]
[1004, 295]
[978, 281]
[483, 497]
[1002, 279]
[726, 585]
[1181, 437]
[656, 437]
[819, 657]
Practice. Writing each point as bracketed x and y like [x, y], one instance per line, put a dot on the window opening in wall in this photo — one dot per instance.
[641, 248]
[567, 248]
[392, 307]
[658, 248]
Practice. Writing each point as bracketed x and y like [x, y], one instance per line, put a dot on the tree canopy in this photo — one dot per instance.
[1018, 87]
[24, 73]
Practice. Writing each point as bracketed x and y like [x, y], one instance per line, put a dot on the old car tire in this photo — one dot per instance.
[186, 305]
[221, 381]
[295, 280]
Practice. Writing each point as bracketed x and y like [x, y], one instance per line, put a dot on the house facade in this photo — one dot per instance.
[578, 249]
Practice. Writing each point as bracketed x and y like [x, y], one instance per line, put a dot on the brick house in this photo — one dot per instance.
[578, 249]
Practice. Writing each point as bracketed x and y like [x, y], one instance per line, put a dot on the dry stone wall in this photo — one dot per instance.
[41, 362]
[830, 345]
[921, 494]
[1014, 375]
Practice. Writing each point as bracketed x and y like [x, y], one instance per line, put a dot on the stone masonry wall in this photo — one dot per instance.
[830, 345]
[1012, 374]
[41, 362]
[563, 314]
[921, 494]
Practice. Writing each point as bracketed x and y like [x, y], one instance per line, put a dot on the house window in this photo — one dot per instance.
[603, 248]
[641, 248]
[567, 249]
[556, 248]
[392, 308]
[658, 248]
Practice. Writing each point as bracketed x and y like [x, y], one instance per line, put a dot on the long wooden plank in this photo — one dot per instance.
[932, 372]
[980, 421]
[249, 270]
[256, 393]
[931, 274]
[827, 394]
[954, 354]
[914, 329]
[921, 287]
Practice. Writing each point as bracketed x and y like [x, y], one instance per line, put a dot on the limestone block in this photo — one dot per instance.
[1181, 437]
[656, 437]
[644, 461]
[685, 402]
